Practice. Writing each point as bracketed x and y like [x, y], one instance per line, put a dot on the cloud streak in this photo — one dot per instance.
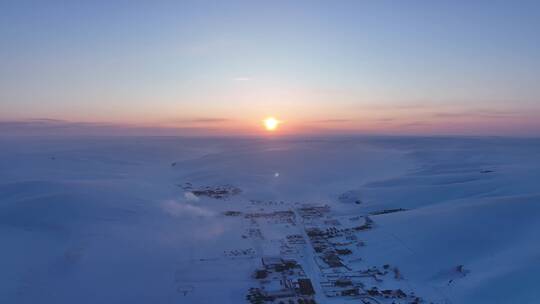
[204, 120]
[478, 114]
[56, 127]
[334, 120]
[242, 79]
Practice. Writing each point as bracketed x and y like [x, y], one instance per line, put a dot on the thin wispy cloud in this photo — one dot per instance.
[19, 125]
[55, 127]
[393, 106]
[51, 120]
[337, 120]
[478, 114]
[386, 119]
[348, 120]
[415, 124]
[203, 120]
[242, 79]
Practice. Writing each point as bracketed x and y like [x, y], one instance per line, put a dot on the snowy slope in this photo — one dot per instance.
[114, 220]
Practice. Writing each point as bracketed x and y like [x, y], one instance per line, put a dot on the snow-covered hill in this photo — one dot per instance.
[178, 220]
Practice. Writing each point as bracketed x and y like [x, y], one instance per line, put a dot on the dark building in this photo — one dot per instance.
[305, 287]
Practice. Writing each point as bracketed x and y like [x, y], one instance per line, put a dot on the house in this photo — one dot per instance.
[275, 289]
[305, 287]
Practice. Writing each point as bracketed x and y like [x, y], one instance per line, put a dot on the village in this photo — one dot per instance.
[309, 254]
[318, 259]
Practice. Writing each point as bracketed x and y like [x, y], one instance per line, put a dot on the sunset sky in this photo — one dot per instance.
[221, 67]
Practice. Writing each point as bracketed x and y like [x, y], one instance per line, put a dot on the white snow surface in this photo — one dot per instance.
[109, 220]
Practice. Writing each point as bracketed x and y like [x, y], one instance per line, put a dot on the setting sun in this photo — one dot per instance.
[271, 123]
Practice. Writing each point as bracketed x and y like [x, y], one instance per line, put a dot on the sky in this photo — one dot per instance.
[221, 67]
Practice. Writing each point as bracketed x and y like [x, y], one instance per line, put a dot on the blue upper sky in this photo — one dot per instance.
[447, 67]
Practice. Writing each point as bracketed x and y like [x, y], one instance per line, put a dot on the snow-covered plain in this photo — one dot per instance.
[119, 220]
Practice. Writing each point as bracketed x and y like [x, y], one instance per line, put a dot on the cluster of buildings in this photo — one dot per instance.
[281, 281]
[333, 243]
[215, 192]
[336, 247]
